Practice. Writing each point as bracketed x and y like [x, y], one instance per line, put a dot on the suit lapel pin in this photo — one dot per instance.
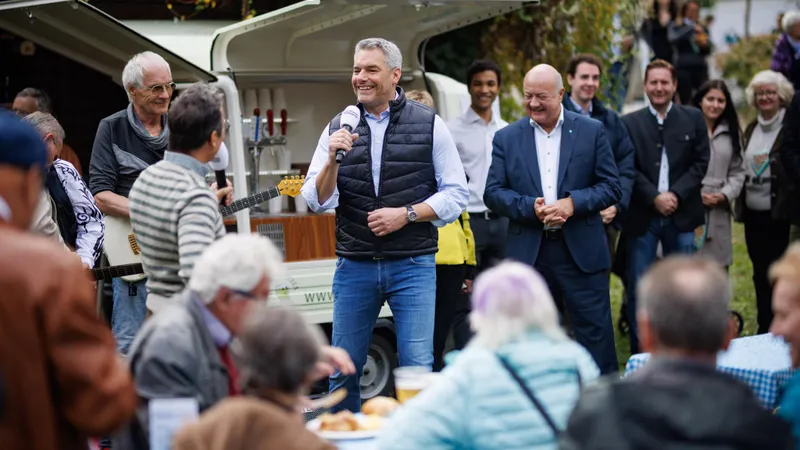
[570, 131]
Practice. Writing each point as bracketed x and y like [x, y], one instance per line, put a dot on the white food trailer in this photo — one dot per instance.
[297, 59]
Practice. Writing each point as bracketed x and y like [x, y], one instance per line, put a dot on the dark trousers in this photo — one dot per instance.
[766, 240]
[449, 280]
[641, 254]
[585, 297]
[689, 81]
[490, 233]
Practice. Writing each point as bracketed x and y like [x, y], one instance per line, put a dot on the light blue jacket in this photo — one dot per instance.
[477, 405]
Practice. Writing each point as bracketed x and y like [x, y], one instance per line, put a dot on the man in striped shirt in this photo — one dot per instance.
[174, 213]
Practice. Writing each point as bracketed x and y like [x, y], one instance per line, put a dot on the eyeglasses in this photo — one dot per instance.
[247, 295]
[158, 89]
[765, 94]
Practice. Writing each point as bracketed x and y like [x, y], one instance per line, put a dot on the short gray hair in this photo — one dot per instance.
[43, 102]
[46, 123]
[133, 73]
[279, 350]
[391, 53]
[686, 299]
[785, 88]
[236, 261]
[789, 20]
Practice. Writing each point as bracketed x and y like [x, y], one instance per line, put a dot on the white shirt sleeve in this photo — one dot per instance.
[309, 190]
[453, 195]
[91, 227]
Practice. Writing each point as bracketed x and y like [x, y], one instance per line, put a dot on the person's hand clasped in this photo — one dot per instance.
[226, 192]
[386, 220]
[556, 214]
[340, 140]
[712, 200]
[666, 203]
[609, 214]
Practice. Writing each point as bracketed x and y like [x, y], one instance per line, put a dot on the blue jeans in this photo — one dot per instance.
[641, 255]
[617, 92]
[360, 287]
[128, 312]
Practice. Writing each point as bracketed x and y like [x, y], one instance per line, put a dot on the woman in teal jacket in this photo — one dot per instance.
[486, 397]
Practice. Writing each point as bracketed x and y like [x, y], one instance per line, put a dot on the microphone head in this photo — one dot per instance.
[220, 162]
[350, 116]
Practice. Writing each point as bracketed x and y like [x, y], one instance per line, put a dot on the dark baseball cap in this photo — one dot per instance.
[21, 144]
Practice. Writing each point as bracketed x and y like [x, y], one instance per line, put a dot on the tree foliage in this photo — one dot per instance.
[551, 32]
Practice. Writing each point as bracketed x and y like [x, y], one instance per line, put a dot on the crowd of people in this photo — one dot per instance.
[538, 212]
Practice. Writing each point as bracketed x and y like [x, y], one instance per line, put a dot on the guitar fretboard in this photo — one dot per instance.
[107, 273]
[247, 202]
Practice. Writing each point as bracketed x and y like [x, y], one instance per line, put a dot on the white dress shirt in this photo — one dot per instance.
[663, 173]
[5, 210]
[473, 138]
[447, 203]
[548, 152]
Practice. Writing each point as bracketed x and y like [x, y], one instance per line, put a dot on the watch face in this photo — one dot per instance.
[412, 215]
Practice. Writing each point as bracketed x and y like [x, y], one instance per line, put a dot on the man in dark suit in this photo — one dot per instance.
[551, 175]
[672, 152]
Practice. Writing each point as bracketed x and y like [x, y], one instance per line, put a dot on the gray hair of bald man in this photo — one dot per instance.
[685, 299]
[279, 350]
[133, 73]
[237, 262]
[542, 68]
[46, 124]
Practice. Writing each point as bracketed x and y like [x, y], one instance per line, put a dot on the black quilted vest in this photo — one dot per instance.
[407, 177]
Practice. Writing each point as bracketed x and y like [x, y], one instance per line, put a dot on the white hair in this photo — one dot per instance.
[46, 123]
[789, 20]
[785, 88]
[133, 73]
[510, 300]
[236, 261]
[391, 53]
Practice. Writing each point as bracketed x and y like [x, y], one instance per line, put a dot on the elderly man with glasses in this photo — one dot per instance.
[184, 351]
[127, 142]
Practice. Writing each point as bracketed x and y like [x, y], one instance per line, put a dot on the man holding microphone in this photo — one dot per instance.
[399, 179]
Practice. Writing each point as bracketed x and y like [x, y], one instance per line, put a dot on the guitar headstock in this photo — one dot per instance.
[291, 185]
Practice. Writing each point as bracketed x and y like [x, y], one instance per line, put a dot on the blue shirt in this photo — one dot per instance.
[447, 203]
[580, 108]
[219, 332]
[187, 162]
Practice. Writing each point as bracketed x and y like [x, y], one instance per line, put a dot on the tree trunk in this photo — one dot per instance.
[747, 8]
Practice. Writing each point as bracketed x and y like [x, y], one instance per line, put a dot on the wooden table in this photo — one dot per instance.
[307, 236]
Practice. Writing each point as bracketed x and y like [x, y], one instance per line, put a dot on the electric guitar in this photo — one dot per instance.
[124, 254]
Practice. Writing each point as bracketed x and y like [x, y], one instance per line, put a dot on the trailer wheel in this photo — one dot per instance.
[377, 376]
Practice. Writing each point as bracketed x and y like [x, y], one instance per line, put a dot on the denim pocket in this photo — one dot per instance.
[424, 260]
[339, 262]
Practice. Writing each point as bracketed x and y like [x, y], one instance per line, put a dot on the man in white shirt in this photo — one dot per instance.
[473, 132]
[552, 173]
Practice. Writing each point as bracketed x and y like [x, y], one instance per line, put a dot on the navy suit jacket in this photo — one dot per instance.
[586, 172]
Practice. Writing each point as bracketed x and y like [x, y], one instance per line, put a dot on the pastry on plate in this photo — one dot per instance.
[380, 406]
[341, 421]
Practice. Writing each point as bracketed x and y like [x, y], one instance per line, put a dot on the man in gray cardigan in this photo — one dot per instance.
[184, 350]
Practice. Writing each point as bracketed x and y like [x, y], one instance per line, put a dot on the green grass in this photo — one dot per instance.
[744, 300]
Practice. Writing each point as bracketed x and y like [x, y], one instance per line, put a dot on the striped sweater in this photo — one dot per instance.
[175, 216]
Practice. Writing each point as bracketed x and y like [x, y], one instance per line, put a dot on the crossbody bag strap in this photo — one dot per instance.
[532, 397]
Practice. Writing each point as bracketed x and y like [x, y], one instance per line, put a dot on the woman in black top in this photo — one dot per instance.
[654, 29]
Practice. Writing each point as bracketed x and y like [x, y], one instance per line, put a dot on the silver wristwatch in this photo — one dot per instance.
[411, 215]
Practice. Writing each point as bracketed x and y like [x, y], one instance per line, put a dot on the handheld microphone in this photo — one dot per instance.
[218, 165]
[348, 120]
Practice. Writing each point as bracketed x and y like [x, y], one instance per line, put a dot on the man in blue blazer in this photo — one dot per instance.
[551, 175]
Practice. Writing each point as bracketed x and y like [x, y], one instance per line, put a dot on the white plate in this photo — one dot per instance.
[314, 425]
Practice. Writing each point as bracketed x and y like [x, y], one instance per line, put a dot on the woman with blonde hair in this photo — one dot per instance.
[512, 387]
[766, 199]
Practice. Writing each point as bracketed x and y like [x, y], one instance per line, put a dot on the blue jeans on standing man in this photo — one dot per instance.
[360, 287]
[641, 255]
[128, 312]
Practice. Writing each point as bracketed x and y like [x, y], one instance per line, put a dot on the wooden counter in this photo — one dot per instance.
[305, 236]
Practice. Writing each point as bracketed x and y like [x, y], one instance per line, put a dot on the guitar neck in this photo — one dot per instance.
[247, 202]
[107, 273]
